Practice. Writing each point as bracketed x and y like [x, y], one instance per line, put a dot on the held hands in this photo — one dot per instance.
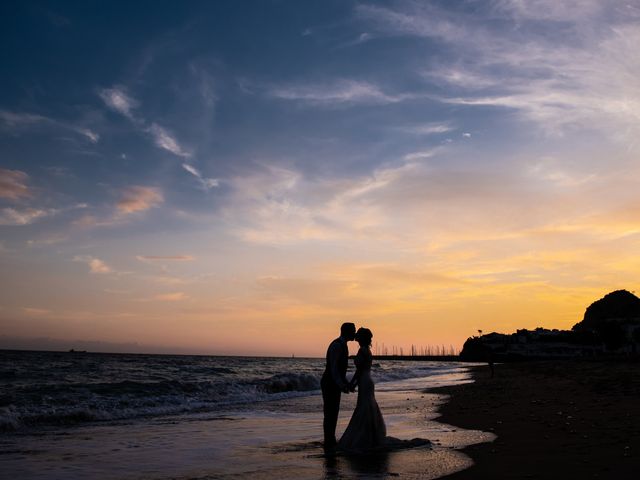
[349, 388]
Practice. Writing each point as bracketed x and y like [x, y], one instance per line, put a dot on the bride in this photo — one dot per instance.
[366, 429]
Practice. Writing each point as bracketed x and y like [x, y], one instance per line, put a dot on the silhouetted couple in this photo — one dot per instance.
[366, 429]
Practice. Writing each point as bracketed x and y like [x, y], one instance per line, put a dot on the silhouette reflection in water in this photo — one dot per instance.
[366, 465]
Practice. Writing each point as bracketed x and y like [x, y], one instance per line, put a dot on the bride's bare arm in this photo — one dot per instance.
[359, 361]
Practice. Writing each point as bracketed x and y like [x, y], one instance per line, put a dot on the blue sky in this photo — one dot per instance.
[196, 175]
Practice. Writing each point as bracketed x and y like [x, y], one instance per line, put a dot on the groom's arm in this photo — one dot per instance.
[335, 350]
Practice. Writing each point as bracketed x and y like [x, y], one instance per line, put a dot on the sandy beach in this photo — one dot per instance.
[552, 420]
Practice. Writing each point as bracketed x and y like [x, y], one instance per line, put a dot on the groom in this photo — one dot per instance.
[334, 381]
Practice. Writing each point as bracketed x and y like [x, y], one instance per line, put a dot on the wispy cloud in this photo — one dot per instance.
[95, 265]
[162, 258]
[139, 198]
[90, 134]
[416, 19]
[24, 216]
[133, 199]
[341, 92]
[17, 121]
[118, 99]
[13, 119]
[454, 75]
[166, 279]
[172, 297]
[264, 207]
[13, 184]
[413, 203]
[364, 37]
[206, 183]
[568, 10]
[551, 170]
[420, 155]
[581, 69]
[165, 140]
[28, 215]
[432, 128]
[280, 206]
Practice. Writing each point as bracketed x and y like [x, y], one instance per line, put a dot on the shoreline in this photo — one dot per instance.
[275, 439]
[552, 419]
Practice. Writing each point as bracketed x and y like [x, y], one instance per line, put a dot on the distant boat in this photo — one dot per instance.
[77, 351]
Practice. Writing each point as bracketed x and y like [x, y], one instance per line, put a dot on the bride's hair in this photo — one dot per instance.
[364, 336]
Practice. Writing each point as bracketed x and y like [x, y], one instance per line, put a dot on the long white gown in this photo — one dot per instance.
[366, 430]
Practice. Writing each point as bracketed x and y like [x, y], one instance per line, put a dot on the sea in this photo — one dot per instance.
[132, 416]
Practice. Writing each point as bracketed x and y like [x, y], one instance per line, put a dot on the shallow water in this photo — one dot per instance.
[278, 437]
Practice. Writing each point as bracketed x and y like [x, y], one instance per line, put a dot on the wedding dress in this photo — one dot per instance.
[366, 430]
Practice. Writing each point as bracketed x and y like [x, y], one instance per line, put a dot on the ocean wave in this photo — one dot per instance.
[287, 382]
[391, 373]
[78, 390]
[52, 404]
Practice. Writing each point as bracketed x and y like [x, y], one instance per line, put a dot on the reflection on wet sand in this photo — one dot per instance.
[376, 465]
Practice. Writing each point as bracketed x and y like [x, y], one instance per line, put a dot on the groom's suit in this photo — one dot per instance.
[334, 382]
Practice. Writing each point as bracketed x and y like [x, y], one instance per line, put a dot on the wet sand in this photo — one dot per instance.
[290, 447]
[553, 420]
[266, 440]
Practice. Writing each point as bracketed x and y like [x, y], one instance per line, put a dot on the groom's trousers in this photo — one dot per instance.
[331, 406]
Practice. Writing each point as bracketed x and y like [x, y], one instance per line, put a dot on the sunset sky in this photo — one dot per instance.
[240, 177]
